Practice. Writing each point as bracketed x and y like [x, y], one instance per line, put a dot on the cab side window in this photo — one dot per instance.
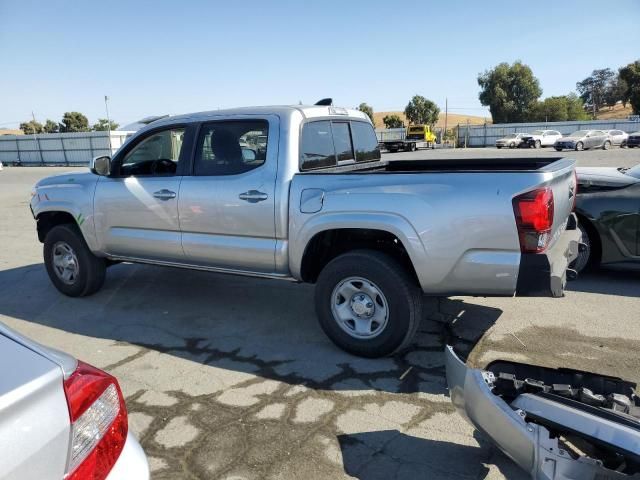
[231, 147]
[158, 154]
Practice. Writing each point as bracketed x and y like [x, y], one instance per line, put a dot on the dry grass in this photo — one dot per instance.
[615, 112]
[452, 120]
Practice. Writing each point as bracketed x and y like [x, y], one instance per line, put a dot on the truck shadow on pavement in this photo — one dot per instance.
[259, 327]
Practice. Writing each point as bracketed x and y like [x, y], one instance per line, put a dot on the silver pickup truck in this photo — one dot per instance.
[300, 193]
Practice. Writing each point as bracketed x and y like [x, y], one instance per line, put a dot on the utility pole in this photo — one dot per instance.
[446, 115]
[36, 138]
[106, 106]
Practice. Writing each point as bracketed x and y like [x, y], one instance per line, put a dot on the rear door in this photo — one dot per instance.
[227, 202]
[136, 208]
[34, 417]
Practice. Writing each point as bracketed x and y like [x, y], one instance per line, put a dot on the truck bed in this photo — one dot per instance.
[454, 217]
[449, 166]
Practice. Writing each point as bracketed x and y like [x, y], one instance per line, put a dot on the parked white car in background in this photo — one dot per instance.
[541, 138]
[617, 137]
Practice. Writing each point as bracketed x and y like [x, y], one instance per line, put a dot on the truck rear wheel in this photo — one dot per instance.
[368, 304]
[73, 269]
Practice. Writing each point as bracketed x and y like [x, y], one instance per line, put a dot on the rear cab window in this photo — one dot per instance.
[329, 143]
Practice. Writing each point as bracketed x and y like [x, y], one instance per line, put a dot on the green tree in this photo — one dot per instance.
[616, 92]
[575, 108]
[592, 89]
[631, 75]
[51, 127]
[393, 121]
[558, 109]
[421, 111]
[31, 127]
[510, 92]
[74, 122]
[103, 125]
[363, 107]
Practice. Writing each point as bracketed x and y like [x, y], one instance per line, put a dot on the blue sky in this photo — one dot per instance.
[155, 57]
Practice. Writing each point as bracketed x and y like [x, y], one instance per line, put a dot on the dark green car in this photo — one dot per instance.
[608, 209]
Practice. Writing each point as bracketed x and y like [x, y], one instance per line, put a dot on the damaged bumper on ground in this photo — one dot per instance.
[555, 424]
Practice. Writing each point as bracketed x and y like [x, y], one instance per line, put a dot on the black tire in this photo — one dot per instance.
[393, 150]
[512, 145]
[399, 289]
[558, 149]
[498, 147]
[606, 145]
[579, 146]
[585, 258]
[537, 144]
[91, 269]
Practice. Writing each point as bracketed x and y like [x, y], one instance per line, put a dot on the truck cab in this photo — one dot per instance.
[421, 132]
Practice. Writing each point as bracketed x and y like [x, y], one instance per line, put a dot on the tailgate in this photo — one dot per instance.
[560, 177]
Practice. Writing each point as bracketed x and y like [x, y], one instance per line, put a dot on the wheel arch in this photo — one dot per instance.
[46, 220]
[594, 237]
[326, 244]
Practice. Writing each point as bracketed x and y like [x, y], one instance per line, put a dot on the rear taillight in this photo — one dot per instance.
[534, 218]
[98, 423]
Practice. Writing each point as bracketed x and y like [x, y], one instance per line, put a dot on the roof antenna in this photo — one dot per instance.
[325, 102]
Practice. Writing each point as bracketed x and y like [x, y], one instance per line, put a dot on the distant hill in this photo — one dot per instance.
[452, 120]
[615, 112]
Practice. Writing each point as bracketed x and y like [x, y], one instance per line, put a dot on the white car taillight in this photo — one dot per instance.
[98, 423]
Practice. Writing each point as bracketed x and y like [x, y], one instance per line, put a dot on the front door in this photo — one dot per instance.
[227, 205]
[136, 208]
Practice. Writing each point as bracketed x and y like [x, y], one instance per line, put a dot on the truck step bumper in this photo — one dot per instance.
[545, 274]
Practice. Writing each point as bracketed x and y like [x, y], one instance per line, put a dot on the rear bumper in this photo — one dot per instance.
[132, 463]
[519, 428]
[545, 274]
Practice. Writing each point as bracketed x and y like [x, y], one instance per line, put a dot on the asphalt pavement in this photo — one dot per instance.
[232, 378]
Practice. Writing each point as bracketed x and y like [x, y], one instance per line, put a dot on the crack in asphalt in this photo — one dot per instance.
[232, 443]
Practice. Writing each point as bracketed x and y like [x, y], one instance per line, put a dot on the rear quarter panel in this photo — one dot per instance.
[458, 227]
[34, 417]
[615, 215]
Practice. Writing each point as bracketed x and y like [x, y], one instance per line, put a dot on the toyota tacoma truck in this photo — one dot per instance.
[300, 193]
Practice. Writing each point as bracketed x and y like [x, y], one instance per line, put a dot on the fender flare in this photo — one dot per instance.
[387, 222]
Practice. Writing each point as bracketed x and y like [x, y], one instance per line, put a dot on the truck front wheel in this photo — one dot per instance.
[368, 304]
[73, 269]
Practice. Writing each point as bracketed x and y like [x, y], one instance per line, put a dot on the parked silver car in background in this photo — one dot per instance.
[582, 140]
[617, 137]
[61, 418]
[512, 140]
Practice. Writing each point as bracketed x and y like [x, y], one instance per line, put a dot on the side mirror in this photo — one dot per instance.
[101, 165]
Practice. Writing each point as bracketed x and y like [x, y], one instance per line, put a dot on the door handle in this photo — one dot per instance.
[164, 194]
[253, 196]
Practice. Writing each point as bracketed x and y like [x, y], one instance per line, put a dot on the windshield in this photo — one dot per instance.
[634, 171]
[513, 135]
[537, 132]
[579, 133]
